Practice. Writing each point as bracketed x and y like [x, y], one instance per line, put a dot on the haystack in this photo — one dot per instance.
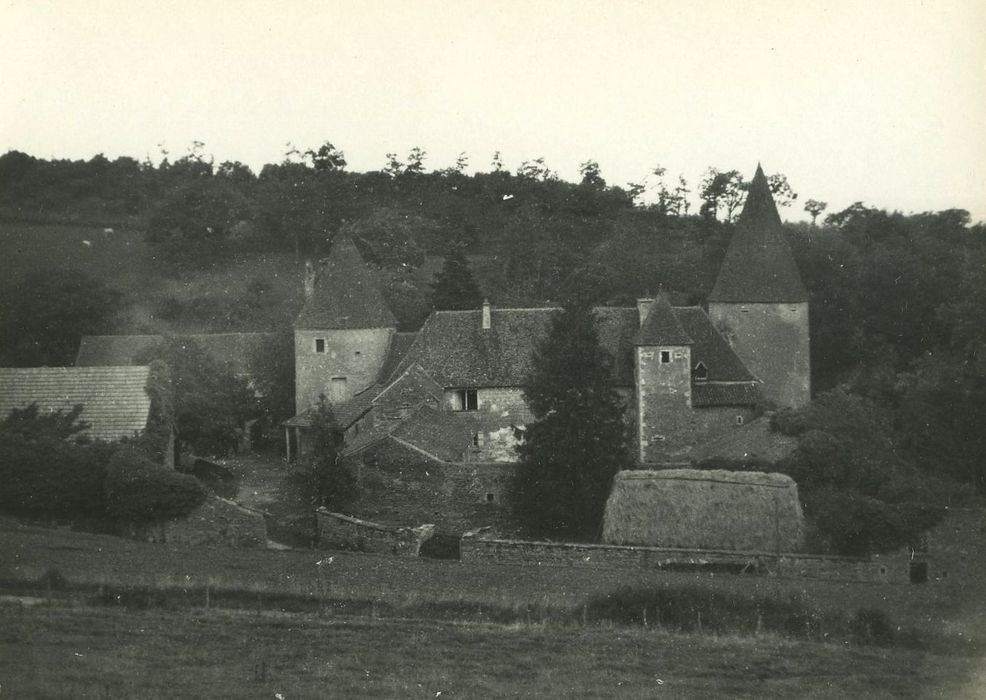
[696, 509]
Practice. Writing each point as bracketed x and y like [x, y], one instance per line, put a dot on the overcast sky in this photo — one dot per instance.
[883, 102]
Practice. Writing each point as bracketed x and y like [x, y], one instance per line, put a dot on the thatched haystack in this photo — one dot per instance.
[696, 509]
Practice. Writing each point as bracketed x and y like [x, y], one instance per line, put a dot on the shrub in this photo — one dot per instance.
[140, 491]
[872, 626]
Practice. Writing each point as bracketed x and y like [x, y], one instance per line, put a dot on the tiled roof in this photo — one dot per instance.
[446, 435]
[347, 294]
[236, 349]
[710, 348]
[758, 266]
[411, 388]
[115, 402]
[706, 394]
[399, 345]
[345, 413]
[753, 441]
[661, 326]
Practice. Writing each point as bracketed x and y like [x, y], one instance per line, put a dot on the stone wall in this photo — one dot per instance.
[337, 531]
[217, 522]
[400, 485]
[356, 355]
[481, 547]
[664, 403]
[772, 341]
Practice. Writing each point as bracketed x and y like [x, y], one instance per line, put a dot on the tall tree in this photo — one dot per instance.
[815, 207]
[455, 287]
[578, 440]
[333, 484]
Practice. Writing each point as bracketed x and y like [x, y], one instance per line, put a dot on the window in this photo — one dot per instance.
[665, 357]
[918, 572]
[357, 353]
[490, 498]
[337, 390]
[657, 438]
[739, 420]
[701, 372]
[466, 400]
[319, 344]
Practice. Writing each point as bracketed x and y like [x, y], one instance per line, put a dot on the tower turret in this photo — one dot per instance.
[760, 304]
[663, 377]
[343, 333]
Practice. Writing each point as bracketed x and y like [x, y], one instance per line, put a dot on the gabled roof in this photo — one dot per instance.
[754, 441]
[411, 388]
[399, 345]
[347, 294]
[236, 349]
[759, 266]
[445, 435]
[710, 348]
[114, 399]
[661, 326]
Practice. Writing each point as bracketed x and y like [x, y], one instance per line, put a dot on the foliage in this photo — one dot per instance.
[137, 490]
[211, 403]
[156, 439]
[45, 316]
[46, 473]
[332, 482]
[455, 287]
[390, 238]
[578, 440]
[272, 371]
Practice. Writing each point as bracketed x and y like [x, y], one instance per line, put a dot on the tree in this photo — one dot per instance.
[815, 207]
[592, 175]
[415, 162]
[721, 191]
[333, 484]
[47, 314]
[455, 287]
[391, 238]
[327, 158]
[578, 440]
[781, 190]
[272, 370]
[211, 403]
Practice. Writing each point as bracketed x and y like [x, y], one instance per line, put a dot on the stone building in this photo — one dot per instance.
[432, 414]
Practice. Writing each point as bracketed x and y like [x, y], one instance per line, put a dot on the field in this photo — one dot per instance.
[233, 624]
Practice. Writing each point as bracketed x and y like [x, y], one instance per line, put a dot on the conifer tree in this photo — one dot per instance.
[578, 440]
[454, 287]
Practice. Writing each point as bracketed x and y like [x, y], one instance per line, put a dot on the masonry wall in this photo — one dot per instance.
[664, 413]
[217, 522]
[477, 548]
[356, 355]
[337, 531]
[772, 341]
[505, 402]
[399, 486]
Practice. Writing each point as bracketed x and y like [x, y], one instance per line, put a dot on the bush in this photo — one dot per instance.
[872, 626]
[140, 491]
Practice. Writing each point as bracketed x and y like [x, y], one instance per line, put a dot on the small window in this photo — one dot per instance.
[665, 357]
[657, 438]
[701, 372]
[357, 353]
[475, 440]
[467, 400]
[490, 498]
[739, 420]
[320, 345]
[918, 572]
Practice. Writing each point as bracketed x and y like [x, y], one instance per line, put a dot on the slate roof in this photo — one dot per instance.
[445, 435]
[661, 326]
[706, 394]
[399, 345]
[753, 441]
[710, 348]
[236, 349]
[345, 413]
[759, 266]
[115, 402]
[347, 294]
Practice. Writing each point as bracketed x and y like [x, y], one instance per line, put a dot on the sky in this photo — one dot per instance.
[880, 101]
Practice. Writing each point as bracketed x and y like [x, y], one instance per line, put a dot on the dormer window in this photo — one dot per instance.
[320, 345]
[465, 400]
[700, 372]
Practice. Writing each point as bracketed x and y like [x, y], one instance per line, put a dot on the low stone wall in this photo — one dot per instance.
[216, 522]
[337, 531]
[480, 546]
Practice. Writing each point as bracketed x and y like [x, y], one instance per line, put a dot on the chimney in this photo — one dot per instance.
[487, 316]
[309, 280]
[643, 306]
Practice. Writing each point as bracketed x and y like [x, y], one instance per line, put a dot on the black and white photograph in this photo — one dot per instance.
[467, 349]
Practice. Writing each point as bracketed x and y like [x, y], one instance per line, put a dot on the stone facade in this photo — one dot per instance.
[664, 402]
[772, 341]
[397, 484]
[338, 363]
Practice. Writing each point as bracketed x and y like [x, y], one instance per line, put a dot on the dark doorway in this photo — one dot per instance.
[919, 572]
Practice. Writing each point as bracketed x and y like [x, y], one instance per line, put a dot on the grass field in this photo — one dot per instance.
[69, 652]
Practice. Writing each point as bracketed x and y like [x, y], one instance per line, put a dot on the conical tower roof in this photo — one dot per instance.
[661, 326]
[759, 266]
[346, 295]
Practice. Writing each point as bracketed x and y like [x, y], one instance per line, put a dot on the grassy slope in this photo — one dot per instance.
[82, 652]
